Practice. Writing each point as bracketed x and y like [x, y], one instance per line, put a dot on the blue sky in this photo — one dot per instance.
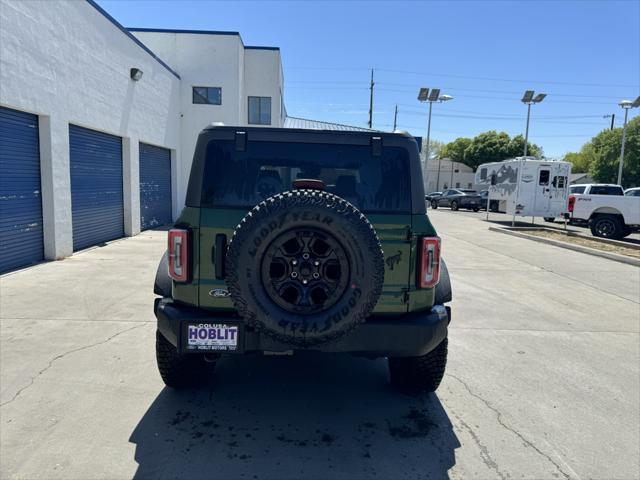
[584, 54]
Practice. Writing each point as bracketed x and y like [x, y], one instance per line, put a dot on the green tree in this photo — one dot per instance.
[435, 149]
[606, 155]
[581, 161]
[516, 148]
[455, 150]
[489, 146]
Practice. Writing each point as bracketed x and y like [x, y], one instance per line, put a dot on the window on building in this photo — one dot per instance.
[457, 184]
[469, 185]
[260, 110]
[207, 95]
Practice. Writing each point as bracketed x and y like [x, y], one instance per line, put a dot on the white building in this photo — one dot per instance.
[98, 123]
[451, 175]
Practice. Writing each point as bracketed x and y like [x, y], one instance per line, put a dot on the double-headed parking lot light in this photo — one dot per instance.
[626, 105]
[529, 99]
[424, 95]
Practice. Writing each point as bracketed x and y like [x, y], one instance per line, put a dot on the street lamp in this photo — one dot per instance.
[434, 96]
[529, 99]
[626, 105]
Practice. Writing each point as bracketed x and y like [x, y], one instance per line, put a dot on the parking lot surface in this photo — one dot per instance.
[543, 379]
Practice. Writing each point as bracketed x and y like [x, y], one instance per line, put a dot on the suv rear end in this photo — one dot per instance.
[243, 181]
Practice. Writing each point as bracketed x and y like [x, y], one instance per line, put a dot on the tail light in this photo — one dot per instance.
[572, 202]
[429, 272]
[179, 255]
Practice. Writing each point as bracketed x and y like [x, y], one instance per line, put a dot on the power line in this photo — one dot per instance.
[470, 77]
[495, 79]
[414, 87]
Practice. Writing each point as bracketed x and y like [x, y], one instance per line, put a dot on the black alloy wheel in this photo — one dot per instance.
[305, 271]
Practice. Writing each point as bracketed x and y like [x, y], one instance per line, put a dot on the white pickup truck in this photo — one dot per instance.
[609, 215]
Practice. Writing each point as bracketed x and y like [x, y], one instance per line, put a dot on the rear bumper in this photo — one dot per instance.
[412, 334]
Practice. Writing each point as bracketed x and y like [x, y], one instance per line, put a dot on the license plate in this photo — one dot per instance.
[211, 336]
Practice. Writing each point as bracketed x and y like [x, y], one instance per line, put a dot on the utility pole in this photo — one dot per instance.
[395, 119]
[612, 117]
[371, 101]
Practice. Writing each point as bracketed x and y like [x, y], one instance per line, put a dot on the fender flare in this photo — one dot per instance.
[443, 288]
[162, 284]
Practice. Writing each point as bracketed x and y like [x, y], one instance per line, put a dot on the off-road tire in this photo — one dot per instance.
[434, 205]
[297, 211]
[607, 226]
[454, 206]
[181, 371]
[419, 374]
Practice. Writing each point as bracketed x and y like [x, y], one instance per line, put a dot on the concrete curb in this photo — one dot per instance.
[577, 248]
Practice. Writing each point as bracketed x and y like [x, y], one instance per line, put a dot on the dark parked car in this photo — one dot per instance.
[430, 197]
[456, 198]
[493, 206]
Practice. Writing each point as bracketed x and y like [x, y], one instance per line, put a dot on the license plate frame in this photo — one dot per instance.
[212, 336]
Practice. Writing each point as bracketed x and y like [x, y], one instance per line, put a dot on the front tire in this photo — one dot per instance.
[476, 209]
[550, 219]
[180, 371]
[454, 206]
[419, 374]
[434, 205]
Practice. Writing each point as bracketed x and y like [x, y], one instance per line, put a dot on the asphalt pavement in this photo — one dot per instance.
[543, 380]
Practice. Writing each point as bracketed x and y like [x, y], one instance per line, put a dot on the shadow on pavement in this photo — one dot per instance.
[306, 416]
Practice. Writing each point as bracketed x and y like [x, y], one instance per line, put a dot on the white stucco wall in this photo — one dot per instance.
[263, 78]
[67, 63]
[216, 60]
[202, 61]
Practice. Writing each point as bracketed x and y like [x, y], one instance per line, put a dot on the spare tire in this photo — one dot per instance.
[304, 267]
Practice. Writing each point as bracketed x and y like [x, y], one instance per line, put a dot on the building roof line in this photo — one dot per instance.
[257, 47]
[201, 32]
[177, 30]
[307, 123]
[131, 36]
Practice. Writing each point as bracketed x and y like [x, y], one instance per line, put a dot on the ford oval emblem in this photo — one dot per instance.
[219, 293]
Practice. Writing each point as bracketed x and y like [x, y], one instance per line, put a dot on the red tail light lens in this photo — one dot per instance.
[429, 272]
[179, 255]
[572, 202]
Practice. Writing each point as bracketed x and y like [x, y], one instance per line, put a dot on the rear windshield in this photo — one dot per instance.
[577, 189]
[245, 178]
[606, 190]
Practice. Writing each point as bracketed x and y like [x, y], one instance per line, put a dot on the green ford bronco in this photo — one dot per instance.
[297, 240]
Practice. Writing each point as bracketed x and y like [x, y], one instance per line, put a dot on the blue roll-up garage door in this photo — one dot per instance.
[96, 187]
[20, 195]
[155, 186]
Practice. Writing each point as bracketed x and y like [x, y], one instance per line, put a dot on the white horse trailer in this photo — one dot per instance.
[527, 187]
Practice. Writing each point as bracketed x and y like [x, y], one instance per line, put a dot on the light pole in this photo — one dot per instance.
[434, 96]
[528, 99]
[626, 105]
